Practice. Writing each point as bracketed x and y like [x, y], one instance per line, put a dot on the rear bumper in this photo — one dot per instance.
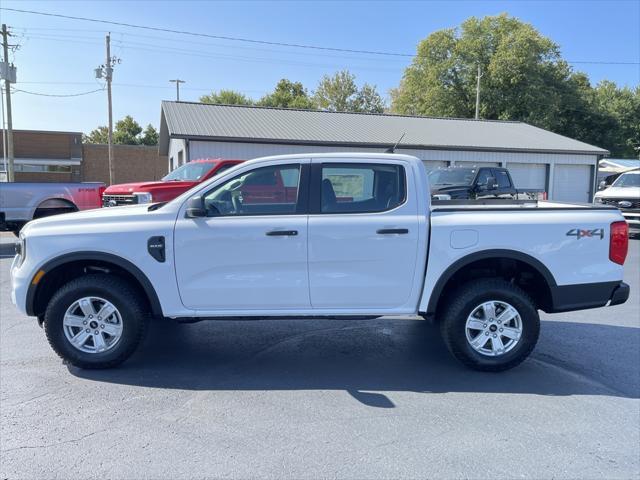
[567, 298]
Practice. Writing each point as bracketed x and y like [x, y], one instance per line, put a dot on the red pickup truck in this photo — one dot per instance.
[172, 185]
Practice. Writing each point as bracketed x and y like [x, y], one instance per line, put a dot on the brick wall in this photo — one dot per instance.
[47, 177]
[38, 144]
[132, 163]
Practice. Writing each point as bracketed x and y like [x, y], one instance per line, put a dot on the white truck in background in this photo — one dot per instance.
[624, 193]
[22, 202]
[355, 235]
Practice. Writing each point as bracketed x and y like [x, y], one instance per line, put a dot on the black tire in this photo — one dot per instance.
[461, 303]
[117, 291]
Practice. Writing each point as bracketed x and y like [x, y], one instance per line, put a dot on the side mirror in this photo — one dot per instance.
[602, 185]
[195, 208]
[491, 183]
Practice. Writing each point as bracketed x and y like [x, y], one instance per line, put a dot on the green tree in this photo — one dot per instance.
[339, 93]
[288, 94]
[368, 100]
[622, 107]
[127, 131]
[523, 77]
[227, 97]
[522, 73]
[99, 135]
[149, 136]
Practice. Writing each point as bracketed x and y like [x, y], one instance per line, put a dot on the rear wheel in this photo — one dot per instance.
[95, 321]
[490, 325]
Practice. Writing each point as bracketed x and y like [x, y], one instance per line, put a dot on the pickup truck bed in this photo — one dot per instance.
[22, 202]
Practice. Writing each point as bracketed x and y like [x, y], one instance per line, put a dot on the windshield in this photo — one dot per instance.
[189, 172]
[452, 176]
[628, 180]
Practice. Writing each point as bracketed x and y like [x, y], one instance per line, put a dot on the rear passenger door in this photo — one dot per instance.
[363, 235]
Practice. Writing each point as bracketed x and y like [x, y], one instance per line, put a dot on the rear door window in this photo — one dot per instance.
[361, 188]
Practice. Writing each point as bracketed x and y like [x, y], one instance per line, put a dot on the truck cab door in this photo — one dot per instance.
[503, 185]
[481, 185]
[364, 232]
[249, 253]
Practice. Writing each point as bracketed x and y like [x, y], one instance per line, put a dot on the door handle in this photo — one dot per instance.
[392, 231]
[282, 233]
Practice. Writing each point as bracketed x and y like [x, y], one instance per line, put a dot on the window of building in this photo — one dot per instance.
[32, 168]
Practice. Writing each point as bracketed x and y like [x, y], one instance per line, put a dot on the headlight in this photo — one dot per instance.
[21, 250]
[597, 199]
[143, 197]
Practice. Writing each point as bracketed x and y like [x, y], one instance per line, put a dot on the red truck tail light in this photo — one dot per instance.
[619, 242]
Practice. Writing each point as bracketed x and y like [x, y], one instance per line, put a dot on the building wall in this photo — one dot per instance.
[178, 151]
[431, 158]
[46, 177]
[38, 144]
[132, 163]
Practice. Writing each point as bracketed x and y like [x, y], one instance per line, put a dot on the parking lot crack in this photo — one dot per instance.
[49, 445]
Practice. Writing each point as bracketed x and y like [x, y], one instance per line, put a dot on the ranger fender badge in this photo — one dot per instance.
[155, 246]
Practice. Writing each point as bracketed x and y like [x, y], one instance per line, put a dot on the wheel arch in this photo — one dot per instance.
[57, 203]
[483, 257]
[93, 259]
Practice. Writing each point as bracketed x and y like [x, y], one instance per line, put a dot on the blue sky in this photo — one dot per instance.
[57, 56]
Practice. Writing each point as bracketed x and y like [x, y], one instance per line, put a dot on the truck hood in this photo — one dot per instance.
[86, 218]
[620, 192]
[129, 188]
[450, 189]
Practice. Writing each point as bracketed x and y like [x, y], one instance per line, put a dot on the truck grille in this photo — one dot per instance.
[116, 200]
[635, 203]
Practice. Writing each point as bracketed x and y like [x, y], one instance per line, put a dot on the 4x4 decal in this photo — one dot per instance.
[580, 233]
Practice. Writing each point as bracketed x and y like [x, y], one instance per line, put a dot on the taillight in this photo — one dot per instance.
[619, 242]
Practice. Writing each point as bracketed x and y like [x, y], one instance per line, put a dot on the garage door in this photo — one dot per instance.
[572, 183]
[528, 175]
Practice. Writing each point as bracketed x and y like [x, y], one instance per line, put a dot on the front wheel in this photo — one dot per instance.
[95, 321]
[490, 325]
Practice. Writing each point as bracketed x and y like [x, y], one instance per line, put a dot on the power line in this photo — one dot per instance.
[207, 35]
[264, 42]
[56, 95]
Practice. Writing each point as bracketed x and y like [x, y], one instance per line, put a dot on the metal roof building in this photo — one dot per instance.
[536, 158]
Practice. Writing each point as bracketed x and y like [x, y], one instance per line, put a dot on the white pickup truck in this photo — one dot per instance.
[352, 235]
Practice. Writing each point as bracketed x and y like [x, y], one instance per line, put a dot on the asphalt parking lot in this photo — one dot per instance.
[324, 399]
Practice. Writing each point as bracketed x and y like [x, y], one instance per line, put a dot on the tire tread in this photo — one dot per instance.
[118, 287]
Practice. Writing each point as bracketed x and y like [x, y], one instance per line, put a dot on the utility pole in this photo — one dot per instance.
[7, 89]
[109, 75]
[177, 81]
[478, 93]
[106, 71]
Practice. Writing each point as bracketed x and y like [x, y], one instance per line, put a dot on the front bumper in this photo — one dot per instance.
[20, 279]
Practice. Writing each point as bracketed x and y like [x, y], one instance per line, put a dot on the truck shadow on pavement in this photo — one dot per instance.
[369, 358]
